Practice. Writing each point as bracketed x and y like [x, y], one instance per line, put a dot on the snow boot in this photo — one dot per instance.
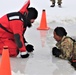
[59, 5]
[52, 5]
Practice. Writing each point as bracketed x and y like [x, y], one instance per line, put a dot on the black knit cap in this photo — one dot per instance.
[32, 13]
[60, 31]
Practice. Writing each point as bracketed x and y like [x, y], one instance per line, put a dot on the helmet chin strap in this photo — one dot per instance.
[27, 22]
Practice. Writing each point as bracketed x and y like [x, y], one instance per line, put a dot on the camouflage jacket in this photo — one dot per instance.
[67, 47]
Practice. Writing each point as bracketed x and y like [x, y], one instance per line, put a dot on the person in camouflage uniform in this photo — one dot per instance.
[54, 1]
[65, 46]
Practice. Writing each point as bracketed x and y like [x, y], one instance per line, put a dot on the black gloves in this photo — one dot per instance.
[73, 63]
[29, 48]
[56, 52]
[24, 55]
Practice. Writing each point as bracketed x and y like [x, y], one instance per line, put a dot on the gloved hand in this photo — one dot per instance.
[56, 52]
[24, 54]
[30, 48]
[73, 64]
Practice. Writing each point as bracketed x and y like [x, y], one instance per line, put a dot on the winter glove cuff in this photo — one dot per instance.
[26, 44]
[24, 54]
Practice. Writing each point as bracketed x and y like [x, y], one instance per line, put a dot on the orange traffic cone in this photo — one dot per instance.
[5, 68]
[43, 23]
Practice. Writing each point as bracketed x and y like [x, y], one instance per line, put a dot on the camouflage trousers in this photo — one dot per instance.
[54, 1]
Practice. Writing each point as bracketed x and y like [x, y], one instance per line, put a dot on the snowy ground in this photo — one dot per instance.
[41, 61]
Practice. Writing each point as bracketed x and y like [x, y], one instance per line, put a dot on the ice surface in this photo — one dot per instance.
[41, 61]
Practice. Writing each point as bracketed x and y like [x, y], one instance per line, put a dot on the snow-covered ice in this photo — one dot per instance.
[41, 61]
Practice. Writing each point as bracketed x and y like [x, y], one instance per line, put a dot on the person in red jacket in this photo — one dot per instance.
[12, 28]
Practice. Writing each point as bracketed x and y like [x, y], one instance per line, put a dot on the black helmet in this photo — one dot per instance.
[32, 13]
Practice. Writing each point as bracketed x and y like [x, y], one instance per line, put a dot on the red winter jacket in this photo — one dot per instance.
[12, 27]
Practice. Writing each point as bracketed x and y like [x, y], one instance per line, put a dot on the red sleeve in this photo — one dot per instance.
[17, 28]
